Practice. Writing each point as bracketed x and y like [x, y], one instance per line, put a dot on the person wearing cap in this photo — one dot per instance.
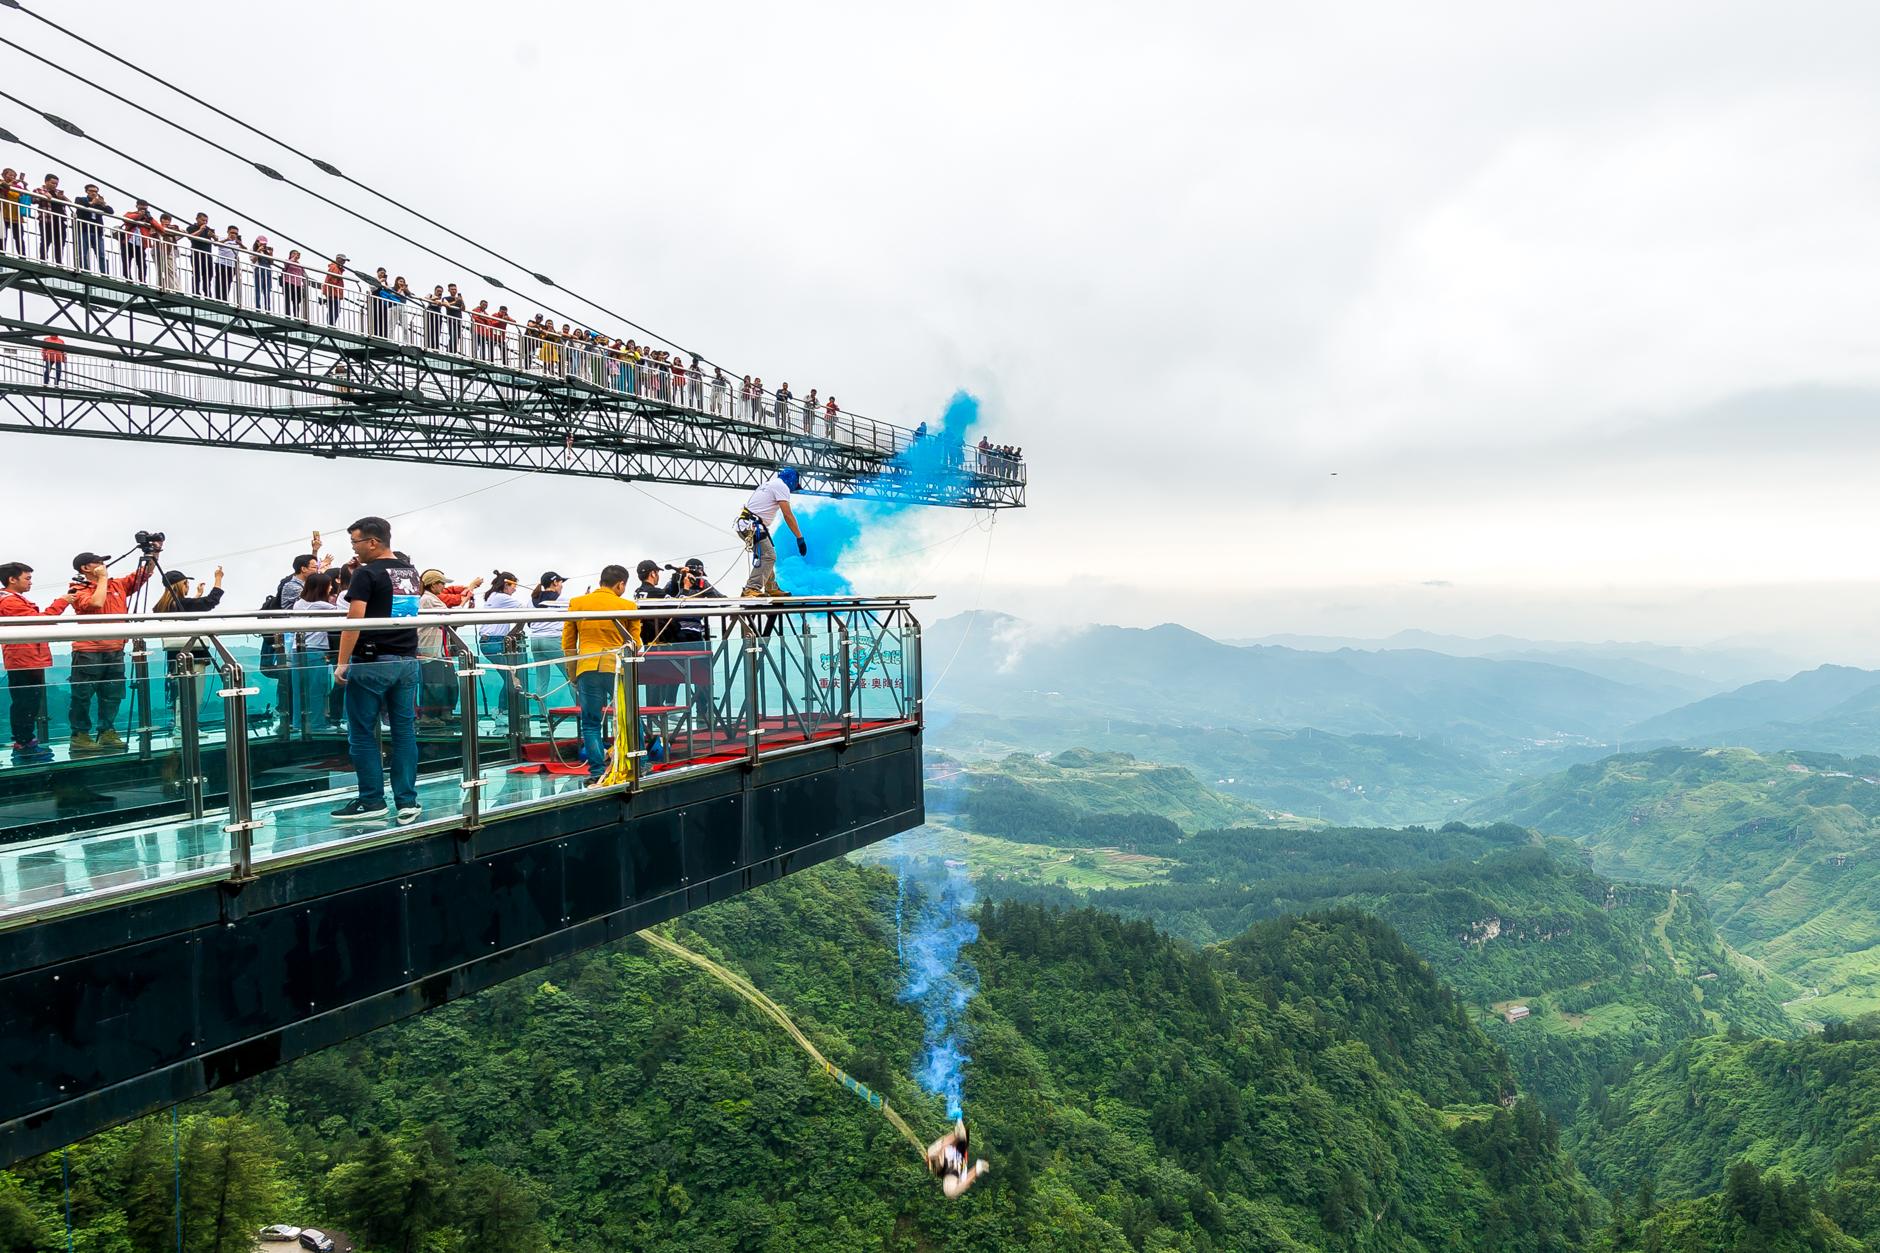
[98, 665]
[657, 633]
[183, 652]
[544, 637]
[26, 665]
[437, 681]
[754, 526]
[690, 582]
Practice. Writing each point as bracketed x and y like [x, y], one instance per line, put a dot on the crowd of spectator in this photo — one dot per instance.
[153, 247]
[334, 681]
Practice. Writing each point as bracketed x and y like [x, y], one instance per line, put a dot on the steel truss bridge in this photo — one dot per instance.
[155, 365]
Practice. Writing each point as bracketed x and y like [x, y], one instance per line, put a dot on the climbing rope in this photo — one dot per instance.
[744, 988]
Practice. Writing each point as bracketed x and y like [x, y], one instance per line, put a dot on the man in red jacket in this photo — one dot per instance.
[26, 664]
[98, 665]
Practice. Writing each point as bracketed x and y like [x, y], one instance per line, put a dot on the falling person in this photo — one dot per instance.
[947, 1157]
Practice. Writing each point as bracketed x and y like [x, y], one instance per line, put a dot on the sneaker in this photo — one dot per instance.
[83, 743]
[356, 810]
[35, 753]
[110, 740]
[409, 813]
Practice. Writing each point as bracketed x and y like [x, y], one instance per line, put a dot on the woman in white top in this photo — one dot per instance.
[493, 643]
[313, 658]
[545, 639]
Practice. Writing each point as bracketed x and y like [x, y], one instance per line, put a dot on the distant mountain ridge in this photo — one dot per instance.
[1170, 673]
[1718, 667]
[1827, 709]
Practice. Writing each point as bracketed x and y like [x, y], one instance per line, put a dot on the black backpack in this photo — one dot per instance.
[274, 660]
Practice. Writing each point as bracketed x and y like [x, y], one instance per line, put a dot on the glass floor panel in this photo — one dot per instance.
[36, 872]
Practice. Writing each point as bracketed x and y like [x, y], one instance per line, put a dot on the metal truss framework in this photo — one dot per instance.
[158, 366]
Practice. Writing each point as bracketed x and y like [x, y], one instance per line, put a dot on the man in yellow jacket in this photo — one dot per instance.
[591, 646]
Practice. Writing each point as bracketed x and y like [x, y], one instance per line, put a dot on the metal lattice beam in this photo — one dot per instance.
[163, 367]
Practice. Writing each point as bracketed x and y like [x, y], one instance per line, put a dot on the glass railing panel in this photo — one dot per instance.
[799, 697]
[879, 667]
[95, 767]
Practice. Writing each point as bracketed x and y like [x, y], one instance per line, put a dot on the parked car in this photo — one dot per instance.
[280, 1232]
[318, 1241]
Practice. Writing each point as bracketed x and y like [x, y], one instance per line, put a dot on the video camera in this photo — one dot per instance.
[149, 541]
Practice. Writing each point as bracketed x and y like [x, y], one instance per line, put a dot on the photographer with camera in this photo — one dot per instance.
[690, 582]
[98, 665]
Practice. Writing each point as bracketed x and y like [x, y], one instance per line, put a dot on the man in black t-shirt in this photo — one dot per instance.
[380, 671]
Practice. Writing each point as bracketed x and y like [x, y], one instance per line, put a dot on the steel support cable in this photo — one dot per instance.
[326, 167]
[770, 1009]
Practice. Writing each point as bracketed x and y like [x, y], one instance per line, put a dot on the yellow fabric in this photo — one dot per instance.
[590, 643]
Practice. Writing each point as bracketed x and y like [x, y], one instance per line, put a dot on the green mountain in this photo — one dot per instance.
[1352, 780]
[1310, 1086]
[1809, 1108]
[1609, 972]
[1783, 847]
[1830, 708]
[1079, 796]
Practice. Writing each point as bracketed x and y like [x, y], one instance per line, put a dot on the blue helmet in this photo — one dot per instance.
[789, 476]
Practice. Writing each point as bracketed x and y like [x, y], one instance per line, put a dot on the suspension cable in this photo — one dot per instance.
[770, 1009]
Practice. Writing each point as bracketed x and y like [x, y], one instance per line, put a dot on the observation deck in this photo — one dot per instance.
[181, 910]
[166, 343]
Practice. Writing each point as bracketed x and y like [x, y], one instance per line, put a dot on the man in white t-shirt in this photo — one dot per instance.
[755, 524]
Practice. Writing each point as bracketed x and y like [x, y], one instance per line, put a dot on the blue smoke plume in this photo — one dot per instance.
[833, 527]
[939, 981]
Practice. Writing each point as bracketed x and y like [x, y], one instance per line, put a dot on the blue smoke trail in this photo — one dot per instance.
[940, 983]
[833, 527]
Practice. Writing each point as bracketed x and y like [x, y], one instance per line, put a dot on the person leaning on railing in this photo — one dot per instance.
[590, 645]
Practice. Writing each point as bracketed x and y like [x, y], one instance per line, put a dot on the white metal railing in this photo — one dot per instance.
[153, 250]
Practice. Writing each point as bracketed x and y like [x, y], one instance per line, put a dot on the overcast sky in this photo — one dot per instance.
[1558, 321]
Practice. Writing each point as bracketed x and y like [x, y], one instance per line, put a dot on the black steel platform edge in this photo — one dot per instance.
[157, 911]
[331, 951]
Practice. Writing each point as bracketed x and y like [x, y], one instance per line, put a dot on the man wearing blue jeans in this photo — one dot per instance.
[591, 647]
[380, 671]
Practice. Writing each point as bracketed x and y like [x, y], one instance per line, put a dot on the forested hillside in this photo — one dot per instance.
[1310, 1087]
[1783, 847]
[1809, 1108]
[1610, 972]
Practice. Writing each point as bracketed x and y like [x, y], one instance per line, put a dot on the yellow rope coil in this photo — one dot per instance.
[744, 988]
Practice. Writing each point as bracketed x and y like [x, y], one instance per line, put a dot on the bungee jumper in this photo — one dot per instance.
[754, 526]
[946, 1157]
